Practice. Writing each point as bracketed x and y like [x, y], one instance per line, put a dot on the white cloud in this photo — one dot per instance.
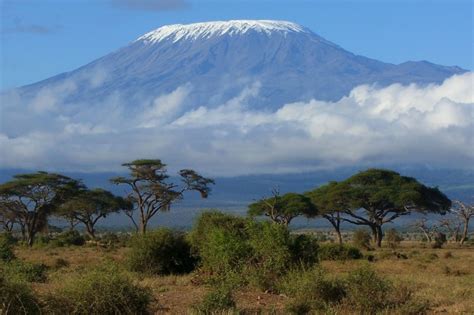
[397, 124]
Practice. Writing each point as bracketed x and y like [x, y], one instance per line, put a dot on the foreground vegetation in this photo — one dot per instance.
[231, 264]
[227, 264]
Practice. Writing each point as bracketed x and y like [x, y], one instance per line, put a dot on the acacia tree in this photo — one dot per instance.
[464, 212]
[283, 209]
[8, 217]
[331, 200]
[380, 196]
[89, 206]
[150, 192]
[34, 197]
[427, 230]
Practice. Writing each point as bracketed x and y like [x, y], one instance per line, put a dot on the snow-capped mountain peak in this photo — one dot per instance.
[205, 30]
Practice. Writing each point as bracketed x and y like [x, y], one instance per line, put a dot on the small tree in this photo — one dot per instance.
[380, 196]
[331, 201]
[452, 226]
[393, 238]
[464, 212]
[89, 206]
[151, 192]
[361, 239]
[427, 230]
[34, 197]
[283, 209]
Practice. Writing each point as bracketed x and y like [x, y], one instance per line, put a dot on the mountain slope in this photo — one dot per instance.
[218, 59]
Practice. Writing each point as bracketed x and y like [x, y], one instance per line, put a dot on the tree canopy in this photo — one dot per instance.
[35, 196]
[88, 206]
[151, 191]
[379, 196]
[283, 209]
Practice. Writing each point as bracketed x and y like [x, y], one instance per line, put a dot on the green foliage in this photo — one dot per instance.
[331, 251]
[217, 300]
[162, 251]
[17, 297]
[6, 247]
[260, 251]
[361, 239]
[68, 238]
[393, 238]
[313, 287]
[104, 290]
[366, 291]
[282, 209]
[22, 271]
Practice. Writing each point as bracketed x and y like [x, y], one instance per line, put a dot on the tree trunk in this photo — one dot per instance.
[379, 236]
[374, 233]
[90, 230]
[464, 231]
[143, 226]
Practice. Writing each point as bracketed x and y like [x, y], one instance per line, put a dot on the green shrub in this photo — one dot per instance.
[304, 249]
[366, 291]
[217, 300]
[69, 238]
[103, 290]
[331, 251]
[6, 247]
[210, 220]
[23, 271]
[393, 238]
[16, 297]
[162, 251]
[361, 239]
[313, 287]
[260, 251]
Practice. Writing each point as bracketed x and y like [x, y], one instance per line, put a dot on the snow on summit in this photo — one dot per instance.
[205, 30]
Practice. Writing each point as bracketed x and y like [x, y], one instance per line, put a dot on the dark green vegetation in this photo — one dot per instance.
[224, 254]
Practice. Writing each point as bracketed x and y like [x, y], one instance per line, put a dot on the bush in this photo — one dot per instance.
[261, 251]
[366, 291]
[16, 298]
[304, 249]
[6, 247]
[361, 239]
[311, 287]
[60, 263]
[217, 300]
[338, 252]
[439, 240]
[162, 251]
[393, 238]
[103, 290]
[23, 271]
[69, 238]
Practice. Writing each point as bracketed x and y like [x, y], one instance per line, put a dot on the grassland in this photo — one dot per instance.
[442, 277]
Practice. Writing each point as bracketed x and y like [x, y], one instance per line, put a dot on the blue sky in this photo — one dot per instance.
[42, 38]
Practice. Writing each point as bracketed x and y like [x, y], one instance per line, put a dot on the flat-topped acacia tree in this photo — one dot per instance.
[32, 198]
[283, 209]
[89, 206]
[331, 200]
[151, 192]
[379, 196]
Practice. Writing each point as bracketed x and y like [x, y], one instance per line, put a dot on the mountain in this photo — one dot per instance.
[218, 59]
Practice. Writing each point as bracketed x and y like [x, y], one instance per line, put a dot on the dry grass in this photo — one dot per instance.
[444, 277]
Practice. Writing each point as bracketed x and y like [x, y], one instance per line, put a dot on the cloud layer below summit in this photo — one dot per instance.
[430, 125]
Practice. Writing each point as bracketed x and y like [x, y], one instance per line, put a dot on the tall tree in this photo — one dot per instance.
[283, 209]
[89, 206]
[34, 197]
[464, 212]
[380, 196]
[332, 200]
[151, 192]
